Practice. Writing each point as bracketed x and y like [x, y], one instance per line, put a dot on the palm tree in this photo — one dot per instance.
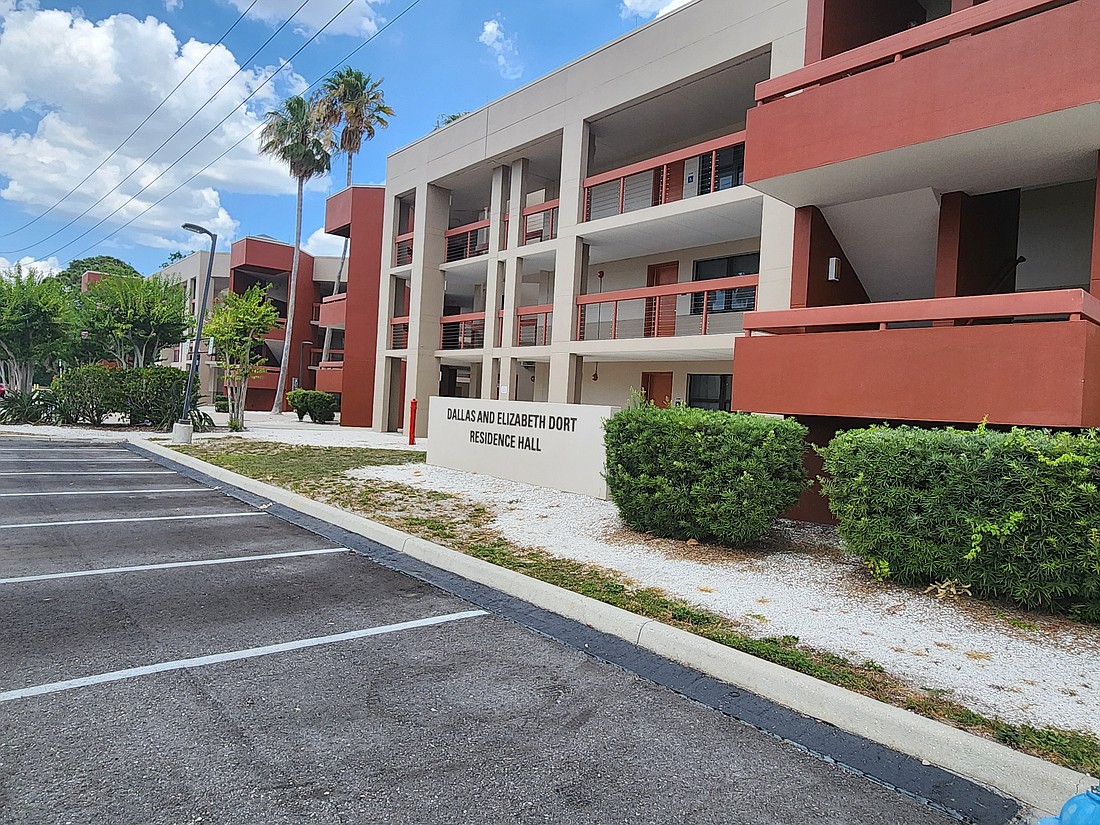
[293, 136]
[355, 100]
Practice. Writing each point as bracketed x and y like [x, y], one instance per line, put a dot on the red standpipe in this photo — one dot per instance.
[412, 423]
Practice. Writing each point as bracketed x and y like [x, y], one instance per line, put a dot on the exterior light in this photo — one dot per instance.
[182, 430]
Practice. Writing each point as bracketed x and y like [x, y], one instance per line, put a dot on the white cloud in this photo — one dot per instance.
[91, 94]
[46, 267]
[503, 48]
[359, 19]
[321, 243]
[648, 8]
[173, 5]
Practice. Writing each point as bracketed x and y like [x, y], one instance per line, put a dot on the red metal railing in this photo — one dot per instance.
[399, 333]
[540, 223]
[465, 331]
[534, 325]
[335, 359]
[895, 47]
[1008, 308]
[662, 179]
[403, 249]
[467, 241]
[277, 332]
[696, 308]
[316, 316]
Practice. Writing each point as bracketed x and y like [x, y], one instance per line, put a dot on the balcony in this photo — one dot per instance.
[333, 311]
[267, 380]
[329, 374]
[945, 105]
[1030, 358]
[534, 325]
[403, 250]
[469, 241]
[697, 170]
[714, 307]
[462, 332]
[399, 333]
[540, 223]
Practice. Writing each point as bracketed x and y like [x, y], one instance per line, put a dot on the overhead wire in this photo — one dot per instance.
[179, 128]
[137, 128]
[248, 135]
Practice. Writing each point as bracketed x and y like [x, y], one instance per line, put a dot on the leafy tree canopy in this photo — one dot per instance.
[131, 319]
[35, 323]
[70, 275]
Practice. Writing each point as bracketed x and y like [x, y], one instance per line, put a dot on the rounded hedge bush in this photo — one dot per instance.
[701, 474]
[1014, 515]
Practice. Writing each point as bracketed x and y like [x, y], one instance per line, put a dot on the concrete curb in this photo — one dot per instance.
[1034, 782]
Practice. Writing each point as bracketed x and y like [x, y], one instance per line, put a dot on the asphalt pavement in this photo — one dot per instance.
[177, 653]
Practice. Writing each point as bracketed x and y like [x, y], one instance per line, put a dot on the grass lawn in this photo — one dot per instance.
[318, 472]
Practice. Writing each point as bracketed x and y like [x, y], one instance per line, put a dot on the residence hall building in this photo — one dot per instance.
[591, 233]
[941, 158]
[352, 313]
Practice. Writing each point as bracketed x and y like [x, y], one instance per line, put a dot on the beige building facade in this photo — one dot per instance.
[591, 234]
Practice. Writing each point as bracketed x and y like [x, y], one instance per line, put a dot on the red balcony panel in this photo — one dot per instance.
[334, 311]
[277, 332]
[268, 380]
[1027, 358]
[995, 63]
[330, 376]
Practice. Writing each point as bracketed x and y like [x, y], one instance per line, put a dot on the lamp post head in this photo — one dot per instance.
[201, 230]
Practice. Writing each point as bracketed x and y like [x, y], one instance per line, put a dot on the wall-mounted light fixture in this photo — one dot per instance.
[834, 269]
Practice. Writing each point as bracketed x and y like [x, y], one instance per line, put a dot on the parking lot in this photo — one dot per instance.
[174, 653]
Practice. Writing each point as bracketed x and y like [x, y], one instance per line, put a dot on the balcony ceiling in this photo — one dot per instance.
[1041, 151]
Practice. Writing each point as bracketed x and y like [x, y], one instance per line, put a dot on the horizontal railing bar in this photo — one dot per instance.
[468, 316]
[970, 307]
[465, 230]
[404, 319]
[408, 236]
[540, 207]
[683, 288]
[662, 160]
[334, 299]
[534, 310]
[929, 35]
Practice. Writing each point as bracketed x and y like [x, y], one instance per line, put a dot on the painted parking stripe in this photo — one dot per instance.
[137, 491]
[74, 460]
[107, 571]
[232, 656]
[94, 473]
[130, 520]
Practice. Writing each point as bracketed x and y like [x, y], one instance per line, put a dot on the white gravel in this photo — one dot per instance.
[1049, 675]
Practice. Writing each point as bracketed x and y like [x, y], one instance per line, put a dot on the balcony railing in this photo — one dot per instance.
[1007, 308]
[267, 380]
[335, 359]
[333, 312]
[458, 332]
[895, 47]
[277, 332]
[713, 307]
[403, 249]
[467, 241]
[399, 333]
[716, 165]
[540, 223]
[534, 325]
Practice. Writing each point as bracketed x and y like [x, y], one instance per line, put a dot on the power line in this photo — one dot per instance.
[179, 128]
[137, 128]
[164, 197]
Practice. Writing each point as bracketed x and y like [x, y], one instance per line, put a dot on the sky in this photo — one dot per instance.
[120, 120]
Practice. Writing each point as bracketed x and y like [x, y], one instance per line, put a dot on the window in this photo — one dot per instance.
[710, 392]
[738, 299]
[730, 171]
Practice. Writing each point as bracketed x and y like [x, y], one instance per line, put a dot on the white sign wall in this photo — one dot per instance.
[550, 445]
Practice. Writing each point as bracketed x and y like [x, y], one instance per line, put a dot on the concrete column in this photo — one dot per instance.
[379, 418]
[777, 223]
[1094, 284]
[576, 151]
[572, 266]
[497, 205]
[433, 209]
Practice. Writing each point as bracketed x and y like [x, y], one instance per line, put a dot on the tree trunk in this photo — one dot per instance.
[339, 277]
[292, 295]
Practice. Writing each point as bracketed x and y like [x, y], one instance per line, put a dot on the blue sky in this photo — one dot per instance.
[76, 81]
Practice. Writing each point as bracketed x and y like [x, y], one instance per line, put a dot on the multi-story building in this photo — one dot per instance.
[190, 272]
[351, 314]
[591, 233]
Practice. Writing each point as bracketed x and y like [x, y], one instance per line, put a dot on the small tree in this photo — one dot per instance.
[237, 325]
[35, 323]
[131, 319]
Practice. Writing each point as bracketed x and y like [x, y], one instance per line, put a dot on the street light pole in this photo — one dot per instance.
[183, 429]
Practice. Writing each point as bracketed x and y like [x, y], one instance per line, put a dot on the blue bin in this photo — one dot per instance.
[1083, 809]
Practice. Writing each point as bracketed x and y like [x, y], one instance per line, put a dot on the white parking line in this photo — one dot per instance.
[75, 460]
[94, 473]
[138, 491]
[233, 656]
[105, 571]
[128, 520]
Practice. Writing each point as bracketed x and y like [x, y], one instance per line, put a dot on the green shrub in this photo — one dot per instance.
[689, 473]
[320, 406]
[153, 395]
[35, 407]
[1016, 516]
[87, 395]
[221, 403]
